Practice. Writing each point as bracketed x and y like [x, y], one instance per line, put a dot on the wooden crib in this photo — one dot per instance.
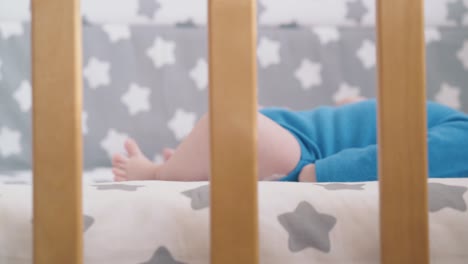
[57, 106]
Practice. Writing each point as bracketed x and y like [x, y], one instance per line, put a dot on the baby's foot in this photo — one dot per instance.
[135, 167]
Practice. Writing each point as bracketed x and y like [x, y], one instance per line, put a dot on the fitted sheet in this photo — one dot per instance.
[168, 222]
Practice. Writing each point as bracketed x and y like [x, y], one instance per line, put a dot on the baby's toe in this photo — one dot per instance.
[119, 161]
[132, 148]
[119, 179]
[119, 174]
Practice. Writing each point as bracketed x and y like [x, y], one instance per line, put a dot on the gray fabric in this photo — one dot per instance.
[88, 221]
[457, 11]
[342, 186]
[174, 95]
[307, 228]
[446, 196]
[162, 256]
[356, 11]
[118, 187]
[200, 197]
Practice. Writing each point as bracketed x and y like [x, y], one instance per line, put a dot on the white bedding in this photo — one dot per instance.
[167, 222]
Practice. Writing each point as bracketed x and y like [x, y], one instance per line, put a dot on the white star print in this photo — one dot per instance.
[9, 142]
[23, 96]
[432, 35]
[463, 55]
[268, 52]
[199, 74]
[114, 142]
[117, 32]
[326, 34]
[84, 123]
[11, 29]
[137, 99]
[182, 123]
[172, 13]
[346, 91]
[309, 74]
[97, 73]
[366, 54]
[449, 96]
[162, 52]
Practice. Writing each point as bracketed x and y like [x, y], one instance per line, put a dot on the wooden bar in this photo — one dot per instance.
[57, 147]
[233, 114]
[402, 132]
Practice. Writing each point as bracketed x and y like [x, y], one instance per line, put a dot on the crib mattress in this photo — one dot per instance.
[168, 222]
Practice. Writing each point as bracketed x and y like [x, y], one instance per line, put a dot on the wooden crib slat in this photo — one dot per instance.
[403, 132]
[57, 150]
[233, 110]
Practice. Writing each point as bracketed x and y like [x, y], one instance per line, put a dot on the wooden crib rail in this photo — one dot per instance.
[233, 114]
[56, 64]
[402, 132]
[57, 82]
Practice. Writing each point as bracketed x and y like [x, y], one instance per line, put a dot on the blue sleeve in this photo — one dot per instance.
[350, 165]
[447, 147]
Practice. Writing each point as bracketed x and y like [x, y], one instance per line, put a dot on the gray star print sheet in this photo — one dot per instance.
[168, 222]
[145, 66]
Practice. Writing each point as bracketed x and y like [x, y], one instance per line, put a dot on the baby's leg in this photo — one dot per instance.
[278, 151]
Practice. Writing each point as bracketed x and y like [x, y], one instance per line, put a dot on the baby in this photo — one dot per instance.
[326, 144]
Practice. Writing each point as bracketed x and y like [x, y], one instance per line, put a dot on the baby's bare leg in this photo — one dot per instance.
[278, 154]
[278, 150]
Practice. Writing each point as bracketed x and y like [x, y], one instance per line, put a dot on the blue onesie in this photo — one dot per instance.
[341, 141]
